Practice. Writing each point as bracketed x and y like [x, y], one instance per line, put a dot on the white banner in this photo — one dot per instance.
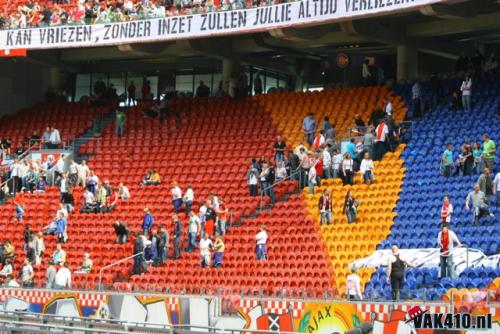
[202, 25]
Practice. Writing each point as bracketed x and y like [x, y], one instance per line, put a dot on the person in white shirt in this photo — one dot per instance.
[312, 179]
[447, 240]
[194, 229]
[348, 170]
[123, 192]
[63, 277]
[7, 268]
[10, 282]
[446, 211]
[366, 169]
[327, 163]
[215, 200]
[261, 238]
[55, 138]
[336, 163]
[380, 147]
[176, 197]
[15, 174]
[73, 172]
[89, 197]
[189, 198]
[388, 107]
[59, 169]
[496, 188]
[281, 173]
[83, 173]
[353, 286]
[205, 246]
[466, 89]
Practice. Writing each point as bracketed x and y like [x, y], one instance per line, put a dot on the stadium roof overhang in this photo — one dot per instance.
[443, 29]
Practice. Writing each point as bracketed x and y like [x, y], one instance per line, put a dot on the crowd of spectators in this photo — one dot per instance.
[32, 14]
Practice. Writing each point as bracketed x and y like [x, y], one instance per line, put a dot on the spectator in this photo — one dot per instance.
[305, 166]
[367, 169]
[27, 236]
[252, 180]
[477, 199]
[59, 256]
[327, 163]
[468, 159]
[50, 276]
[446, 241]
[326, 125]
[55, 138]
[447, 161]
[218, 248]
[177, 236]
[222, 215]
[496, 188]
[353, 286]
[312, 179]
[30, 252]
[83, 174]
[140, 265]
[39, 246]
[147, 222]
[92, 183]
[486, 184]
[8, 251]
[347, 170]
[416, 91]
[279, 149]
[202, 90]
[176, 193]
[131, 94]
[7, 268]
[27, 274]
[73, 173]
[90, 204]
[210, 216]
[446, 211]
[87, 264]
[123, 192]
[61, 226]
[122, 232]
[205, 245]
[267, 178]
[292, 165]
[151, 178]
[194, 229]
[120, 122]
[261, 248]
[336, 163]
[189, 198]
[319, 140]
[325, 206]
[163, 244]
[389, 109]
[10, 282]
[380, 147]
[489, 150]
[360, 124]
[63, 277]
[477, 154]
[365, 72]
[350, 207]
[396, 272]
[19, 204]
[309, 126]
[466, 89]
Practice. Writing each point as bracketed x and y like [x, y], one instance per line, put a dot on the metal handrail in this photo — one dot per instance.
[262, 191]
[115, 264]
[446, 253]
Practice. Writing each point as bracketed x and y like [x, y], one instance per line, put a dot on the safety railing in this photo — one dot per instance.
[21, 158]
[62, 145]
[264, 191]
[101, 271]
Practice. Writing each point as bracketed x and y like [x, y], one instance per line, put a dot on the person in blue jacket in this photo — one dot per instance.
[147, 222]
[61, 224]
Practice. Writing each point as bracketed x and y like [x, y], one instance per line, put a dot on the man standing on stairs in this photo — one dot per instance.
[489, 150]
[120, 123]
[267, 180]
[279, 149]
[447, 240]
[147, 222]
[325, 207]
[177, 236]
[380, 147]
[309, 125]
[19, 203]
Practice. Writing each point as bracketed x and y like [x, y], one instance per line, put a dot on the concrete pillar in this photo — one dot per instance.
[229, 66]
[299, 83]
[54, 77]
[407, 63]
